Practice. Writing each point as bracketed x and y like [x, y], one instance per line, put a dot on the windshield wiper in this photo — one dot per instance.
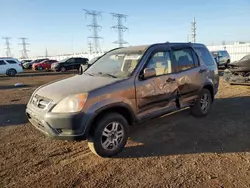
[107, 74]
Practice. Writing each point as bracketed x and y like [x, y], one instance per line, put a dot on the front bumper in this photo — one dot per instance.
[60, 126]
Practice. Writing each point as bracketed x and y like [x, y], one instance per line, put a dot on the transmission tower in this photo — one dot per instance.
[90, 47]
[7, 46]
[193, 30]
[95, 28]
[120, 28]
[46, 52]
[24, 49]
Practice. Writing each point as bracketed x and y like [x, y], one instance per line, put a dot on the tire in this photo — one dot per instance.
[62, 69]
[198, 110]
[226, 65]
[40, 68]
[11, 72]
[97, 139]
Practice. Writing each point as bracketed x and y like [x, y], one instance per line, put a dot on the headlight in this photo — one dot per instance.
[72, 103]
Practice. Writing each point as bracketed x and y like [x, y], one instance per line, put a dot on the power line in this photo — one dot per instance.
[193, 30]
[7, 46]
[95, 28]
[120, 28]
[24, 48]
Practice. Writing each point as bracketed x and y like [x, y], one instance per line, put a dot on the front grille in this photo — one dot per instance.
[40, 102]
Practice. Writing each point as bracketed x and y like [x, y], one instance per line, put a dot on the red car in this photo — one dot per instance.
[44, 65]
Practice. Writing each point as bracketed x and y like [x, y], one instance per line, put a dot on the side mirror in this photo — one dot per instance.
[149, 73]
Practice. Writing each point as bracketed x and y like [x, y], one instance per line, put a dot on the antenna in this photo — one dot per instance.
[120, 28]
[7, 46]
[95, 28]
[193, 30]
[24, 49]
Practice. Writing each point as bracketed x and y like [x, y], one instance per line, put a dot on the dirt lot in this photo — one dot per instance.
[177, 150]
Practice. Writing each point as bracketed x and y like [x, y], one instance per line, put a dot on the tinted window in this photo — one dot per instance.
[2, 62]
[11, 61]
[71, 60]
[205, 56]
[161, 62]
[184, 59]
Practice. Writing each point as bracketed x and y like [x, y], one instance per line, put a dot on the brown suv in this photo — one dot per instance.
[122, 88]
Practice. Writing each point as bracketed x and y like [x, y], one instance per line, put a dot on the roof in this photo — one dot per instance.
[142, 48]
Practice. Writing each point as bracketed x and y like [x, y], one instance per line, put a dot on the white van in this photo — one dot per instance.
[10, 66]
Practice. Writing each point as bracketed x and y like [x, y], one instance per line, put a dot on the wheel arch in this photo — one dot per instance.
[211, 89]
[120, 108]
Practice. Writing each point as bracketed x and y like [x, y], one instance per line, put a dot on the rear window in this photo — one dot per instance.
[205, 56]
[11, 62]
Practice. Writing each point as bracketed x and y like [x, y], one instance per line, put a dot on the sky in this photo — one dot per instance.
[60, 25]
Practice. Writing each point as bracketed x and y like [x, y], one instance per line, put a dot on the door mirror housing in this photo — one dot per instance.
[149, 73]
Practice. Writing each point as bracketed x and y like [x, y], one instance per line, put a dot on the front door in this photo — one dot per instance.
[3, 67]
[157, 94]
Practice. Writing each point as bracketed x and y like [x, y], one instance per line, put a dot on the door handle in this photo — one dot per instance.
[169, 80]
[202, 70]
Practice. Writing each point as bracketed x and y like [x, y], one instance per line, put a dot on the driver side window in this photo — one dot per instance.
[161, 62]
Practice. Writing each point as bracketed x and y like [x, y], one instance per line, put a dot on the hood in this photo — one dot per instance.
[35, 64]
[74, 85]
[240, 63]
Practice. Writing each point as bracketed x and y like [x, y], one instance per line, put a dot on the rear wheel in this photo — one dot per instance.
[11, 72]
[109, 136]
[202, 104]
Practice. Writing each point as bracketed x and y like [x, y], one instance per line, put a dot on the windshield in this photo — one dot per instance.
[116, 64]
[64, 60]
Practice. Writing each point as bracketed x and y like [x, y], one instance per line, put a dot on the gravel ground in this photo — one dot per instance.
[176, 150]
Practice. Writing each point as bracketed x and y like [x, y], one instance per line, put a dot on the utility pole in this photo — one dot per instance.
[7, 46]
[120, 28]
[24, 49]
[193, 30]
[90, 47]
[95, 28]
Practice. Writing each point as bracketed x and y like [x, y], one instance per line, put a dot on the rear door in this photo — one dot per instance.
[3, 67]
[190, 75]
[156, 93]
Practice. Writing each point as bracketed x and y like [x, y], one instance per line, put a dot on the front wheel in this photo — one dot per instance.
[62, 69]
[109, 136]
[11, 72]
[202, 104]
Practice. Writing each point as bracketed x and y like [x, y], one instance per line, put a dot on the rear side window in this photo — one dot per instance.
[205, 56]
[71, 60]
[185, 59]
[11, 61]
[2, 62]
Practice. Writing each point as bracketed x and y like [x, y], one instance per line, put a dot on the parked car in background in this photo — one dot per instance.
[28, 65]
[69, 64]
[10, 66]
[44, 65]
[25, 61]
[124, 87]
[222, 57]
[83, 67]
